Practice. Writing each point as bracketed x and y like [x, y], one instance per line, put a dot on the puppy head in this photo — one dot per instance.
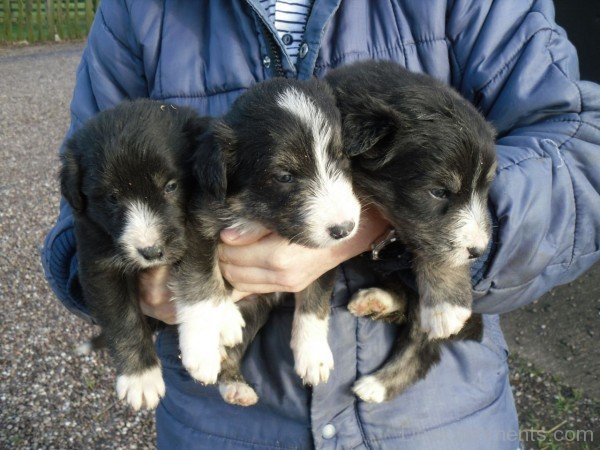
[123, 173]
[428, 158]
[276, 158]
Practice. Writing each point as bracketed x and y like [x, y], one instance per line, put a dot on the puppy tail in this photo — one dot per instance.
[94, 344]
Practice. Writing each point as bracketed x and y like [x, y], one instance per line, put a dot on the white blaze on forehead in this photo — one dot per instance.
[301, 106]
[142, 229]
[332, 200]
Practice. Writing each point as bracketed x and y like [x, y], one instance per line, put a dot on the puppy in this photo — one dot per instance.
[425, 157]
[275, 159]
[125, 175]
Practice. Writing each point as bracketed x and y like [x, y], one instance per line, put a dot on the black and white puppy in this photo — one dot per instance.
[424, 156]
[125, 175]
[276, 159]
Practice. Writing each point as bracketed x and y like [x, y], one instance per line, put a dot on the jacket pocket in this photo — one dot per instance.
[470, 377]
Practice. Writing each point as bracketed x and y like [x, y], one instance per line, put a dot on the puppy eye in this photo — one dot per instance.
[170, 187]
[440, 193]
[284, 177]
[113, 198]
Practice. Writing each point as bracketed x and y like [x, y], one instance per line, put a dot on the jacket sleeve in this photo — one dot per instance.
[111, 70]
[513, 61]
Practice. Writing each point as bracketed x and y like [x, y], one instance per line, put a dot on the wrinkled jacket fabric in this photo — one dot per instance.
[511, 60]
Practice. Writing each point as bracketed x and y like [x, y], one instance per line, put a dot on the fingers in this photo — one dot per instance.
[165, 312]
[155, 296]
[248, 275]
[152, 284]
[251, 279]
[260, 288]
[237, 236]
[237, 295]
[263, 281]
[267, 253]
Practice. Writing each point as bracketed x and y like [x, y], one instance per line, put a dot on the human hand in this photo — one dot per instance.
[155, 296]
[261, 261]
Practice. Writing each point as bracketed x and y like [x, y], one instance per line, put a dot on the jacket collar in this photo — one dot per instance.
[321, 13]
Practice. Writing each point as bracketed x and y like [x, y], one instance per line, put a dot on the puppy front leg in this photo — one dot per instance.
[312, 355]
[413, 356]
[128, 337]
[208, 318]
[232, 385]
[446, 298]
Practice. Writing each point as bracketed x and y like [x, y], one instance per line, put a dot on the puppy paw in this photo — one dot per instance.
[312, 355]
[142, 389]
[370, 390]
[199, 335]
[203, 364]
[372, 302]
[232, 332]
[238, 393]
[314, 362]
[443, 320]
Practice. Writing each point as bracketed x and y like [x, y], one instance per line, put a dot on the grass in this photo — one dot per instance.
[37, 20]
[565, 404]
[550, 411]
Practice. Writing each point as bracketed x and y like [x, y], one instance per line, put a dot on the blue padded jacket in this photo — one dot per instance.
[511, 60]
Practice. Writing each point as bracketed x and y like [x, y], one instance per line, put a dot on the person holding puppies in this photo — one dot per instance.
[509, 58]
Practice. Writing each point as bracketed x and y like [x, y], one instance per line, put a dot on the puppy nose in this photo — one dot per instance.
[475, 252]
[341, 230]
[151, 253]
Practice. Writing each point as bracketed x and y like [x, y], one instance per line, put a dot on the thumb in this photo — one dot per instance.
[241, 236]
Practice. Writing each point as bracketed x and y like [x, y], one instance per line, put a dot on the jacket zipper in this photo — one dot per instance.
[277, 64]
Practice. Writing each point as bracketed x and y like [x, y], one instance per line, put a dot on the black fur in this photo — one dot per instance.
[243, 167]
[123, 155]
[411, 137]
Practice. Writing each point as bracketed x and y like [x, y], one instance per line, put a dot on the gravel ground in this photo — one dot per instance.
[559, 332]
[52, 399]
[550, 411]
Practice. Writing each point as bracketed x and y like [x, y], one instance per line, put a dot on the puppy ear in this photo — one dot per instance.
[369, 126]
[71, 177]
[213, 159]
[193, 127]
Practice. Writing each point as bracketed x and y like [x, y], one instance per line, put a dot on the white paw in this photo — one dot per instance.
[370, 390]
[312, 355]
[443, 320]
[232, 325]
[237, 393]
[143, 389]
[203, 363]
[372, 301]
[199, 340]
[314, 361]
[314, 366]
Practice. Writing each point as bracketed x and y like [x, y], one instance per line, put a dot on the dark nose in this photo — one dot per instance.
[475, 252]
[342, 230]
[151, 253]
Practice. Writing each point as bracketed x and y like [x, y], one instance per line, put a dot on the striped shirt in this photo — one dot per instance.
[289, 18]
